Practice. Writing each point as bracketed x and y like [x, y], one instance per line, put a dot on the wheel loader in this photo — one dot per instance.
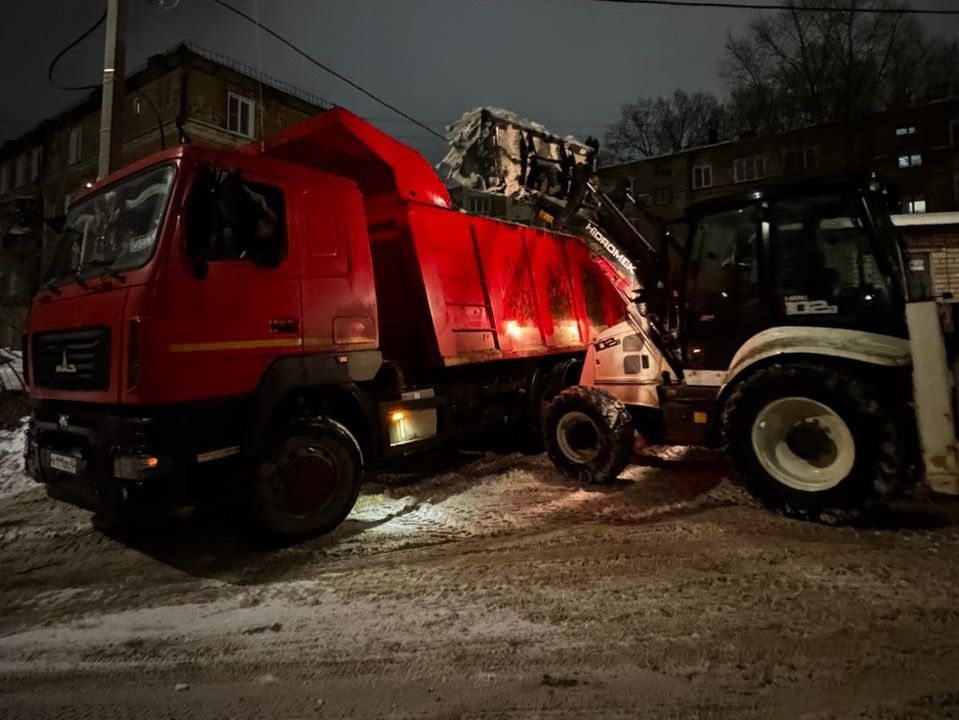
[777, 325]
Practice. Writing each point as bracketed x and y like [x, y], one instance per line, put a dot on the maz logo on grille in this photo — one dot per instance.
[65, 367]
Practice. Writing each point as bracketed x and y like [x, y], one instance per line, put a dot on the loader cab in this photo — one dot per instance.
[796, 255]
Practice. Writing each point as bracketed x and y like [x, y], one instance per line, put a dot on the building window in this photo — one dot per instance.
[480, 204]
[74, 145]
[240, 115]
[4, 179]
[36, 159]
[20, 177]
[797, 161]
[914, 205]
[752, 168]
[663, 196]
[910, 130]
[702, 176]
[13, 282]
[907, 161]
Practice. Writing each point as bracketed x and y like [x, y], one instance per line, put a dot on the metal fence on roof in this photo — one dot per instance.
[258, 75]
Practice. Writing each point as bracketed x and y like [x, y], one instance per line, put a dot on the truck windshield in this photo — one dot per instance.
[113, 230]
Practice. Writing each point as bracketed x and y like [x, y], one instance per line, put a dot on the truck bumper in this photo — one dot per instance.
[90, 456]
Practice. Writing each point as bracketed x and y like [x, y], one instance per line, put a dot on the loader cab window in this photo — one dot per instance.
[723, 300]
[723, 259]
[824, 265]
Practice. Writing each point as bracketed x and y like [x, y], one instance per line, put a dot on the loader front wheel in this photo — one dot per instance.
[589, 434]
[816, 442]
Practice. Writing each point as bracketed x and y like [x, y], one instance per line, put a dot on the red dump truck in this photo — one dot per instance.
[308, 308]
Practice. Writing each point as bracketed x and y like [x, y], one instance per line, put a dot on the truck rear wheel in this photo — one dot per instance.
[308, 478]
[589, 434]
[816, 442]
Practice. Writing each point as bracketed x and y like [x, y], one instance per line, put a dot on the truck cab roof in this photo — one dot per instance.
[337, 143]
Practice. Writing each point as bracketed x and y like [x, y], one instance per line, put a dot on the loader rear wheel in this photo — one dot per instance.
[308, 478]
[588, 434]
[816, 442]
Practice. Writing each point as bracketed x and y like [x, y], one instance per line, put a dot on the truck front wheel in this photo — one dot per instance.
[307, 479]
[589, 434]
[816, 441]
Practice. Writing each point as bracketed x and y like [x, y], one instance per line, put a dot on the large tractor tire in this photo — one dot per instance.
[588, 434]
[307, 479]
[817, 442]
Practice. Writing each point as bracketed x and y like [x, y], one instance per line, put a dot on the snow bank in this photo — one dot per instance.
[11, 379]
[12, 478]
[498, 151]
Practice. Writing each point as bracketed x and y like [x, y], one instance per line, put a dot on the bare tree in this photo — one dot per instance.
[797, 67]
[653, 126]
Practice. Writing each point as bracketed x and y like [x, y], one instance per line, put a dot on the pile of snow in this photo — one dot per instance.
[11, 374]
[498, 151]
[496, 494]
[12, 478]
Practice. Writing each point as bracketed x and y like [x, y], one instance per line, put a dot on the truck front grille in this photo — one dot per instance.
[72, 360]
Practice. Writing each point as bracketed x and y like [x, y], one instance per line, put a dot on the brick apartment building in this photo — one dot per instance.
[914, 148]
[186, 94]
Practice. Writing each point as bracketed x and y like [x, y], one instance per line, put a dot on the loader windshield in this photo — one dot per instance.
[113, 230]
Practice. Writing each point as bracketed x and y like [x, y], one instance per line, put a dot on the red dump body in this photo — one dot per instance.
[451, 288]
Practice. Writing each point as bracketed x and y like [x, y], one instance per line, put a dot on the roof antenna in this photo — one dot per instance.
[259, 72]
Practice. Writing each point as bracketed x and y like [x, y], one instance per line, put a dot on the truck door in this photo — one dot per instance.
[339, 300]
[723, 289]
[227, 327]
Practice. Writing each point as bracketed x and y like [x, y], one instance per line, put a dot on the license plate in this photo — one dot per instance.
[63, 463]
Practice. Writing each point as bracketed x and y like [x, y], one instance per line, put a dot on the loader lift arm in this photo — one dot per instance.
[623, 254]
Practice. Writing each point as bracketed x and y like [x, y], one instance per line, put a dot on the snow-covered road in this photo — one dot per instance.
[485, 586]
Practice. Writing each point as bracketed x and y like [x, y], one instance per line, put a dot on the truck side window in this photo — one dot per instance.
[257, 232]
[265, 231]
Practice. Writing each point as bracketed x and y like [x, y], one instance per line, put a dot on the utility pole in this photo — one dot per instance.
[111, 110]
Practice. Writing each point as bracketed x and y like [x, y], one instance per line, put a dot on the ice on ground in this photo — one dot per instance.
[13, 480]
[303, 608]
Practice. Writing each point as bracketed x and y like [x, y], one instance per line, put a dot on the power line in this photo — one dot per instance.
[328, 69]
[772, 6]
[68, 48]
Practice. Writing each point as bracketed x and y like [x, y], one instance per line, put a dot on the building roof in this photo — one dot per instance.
[182, 55]
[926, 219]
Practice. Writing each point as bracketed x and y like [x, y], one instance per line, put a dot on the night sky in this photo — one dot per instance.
[566, 63]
